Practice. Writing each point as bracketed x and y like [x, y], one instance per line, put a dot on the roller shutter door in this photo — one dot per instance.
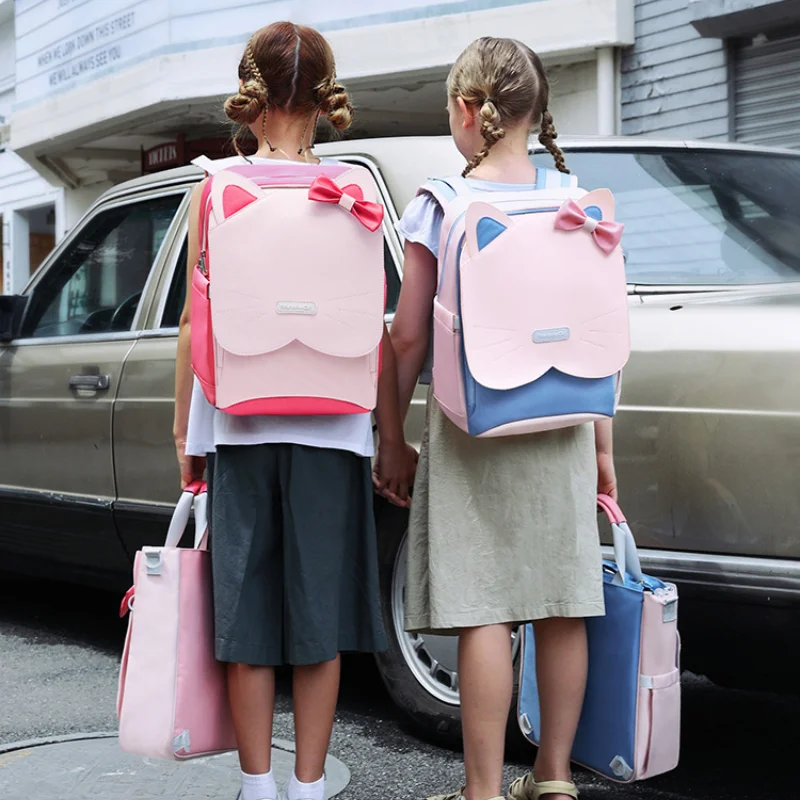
[767, 92]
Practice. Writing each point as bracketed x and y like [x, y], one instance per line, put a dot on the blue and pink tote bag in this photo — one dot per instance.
[630, 725]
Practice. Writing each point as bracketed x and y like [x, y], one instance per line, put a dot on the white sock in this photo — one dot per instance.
[259, 787]
[297, 790]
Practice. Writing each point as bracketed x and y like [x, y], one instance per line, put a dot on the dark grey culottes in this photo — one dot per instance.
[294, 555]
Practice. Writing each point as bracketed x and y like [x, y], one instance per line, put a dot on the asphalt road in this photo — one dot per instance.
[59, 648]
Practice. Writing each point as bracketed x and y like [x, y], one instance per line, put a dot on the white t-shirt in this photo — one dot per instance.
[208, 427]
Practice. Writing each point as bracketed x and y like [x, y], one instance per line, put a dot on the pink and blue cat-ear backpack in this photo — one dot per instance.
[289, 293]
[530, 329]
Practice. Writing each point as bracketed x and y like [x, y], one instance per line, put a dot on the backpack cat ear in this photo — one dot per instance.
[484, 223]
[231, 192]
[598, 204]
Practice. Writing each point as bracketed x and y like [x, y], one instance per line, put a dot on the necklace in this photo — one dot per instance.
[301, 150]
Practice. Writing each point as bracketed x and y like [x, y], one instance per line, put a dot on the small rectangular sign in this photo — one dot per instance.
[549, 335]
[305, 307]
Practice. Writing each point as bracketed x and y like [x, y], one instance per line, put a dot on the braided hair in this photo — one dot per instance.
[507, 82]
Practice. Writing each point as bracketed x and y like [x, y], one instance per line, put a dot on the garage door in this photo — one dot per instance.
[767, 92]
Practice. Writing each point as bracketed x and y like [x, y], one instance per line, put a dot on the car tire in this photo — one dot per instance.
[428, 702]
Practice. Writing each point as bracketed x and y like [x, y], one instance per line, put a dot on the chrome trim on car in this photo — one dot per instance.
[104, 203]
[159, 333]
[40, 496]
[763, 578]
[156, 512]
[75, 338]
[170, 178]
[157, 267]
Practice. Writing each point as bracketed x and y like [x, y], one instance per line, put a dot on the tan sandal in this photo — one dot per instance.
[459, 795]
[526, 788]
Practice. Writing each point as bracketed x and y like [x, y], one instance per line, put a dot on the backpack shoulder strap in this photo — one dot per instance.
[445, 190]
[553, 179]
[212, 166]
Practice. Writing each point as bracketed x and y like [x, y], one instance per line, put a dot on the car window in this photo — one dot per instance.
[96, 284]
[700, 217]
[392, 280]
[177, 291]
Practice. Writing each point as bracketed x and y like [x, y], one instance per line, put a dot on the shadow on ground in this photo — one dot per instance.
[736, 745]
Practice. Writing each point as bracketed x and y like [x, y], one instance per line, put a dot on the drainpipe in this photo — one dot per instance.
[606, 92]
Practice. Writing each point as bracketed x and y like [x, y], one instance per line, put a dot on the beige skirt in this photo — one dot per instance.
[502, 530]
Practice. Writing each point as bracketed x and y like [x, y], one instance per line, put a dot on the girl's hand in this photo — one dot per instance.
[606, 476]
[192, 467]
[394, 472]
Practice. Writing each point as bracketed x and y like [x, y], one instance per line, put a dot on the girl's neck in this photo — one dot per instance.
[286, 137]
[279, 154]
[507, 162]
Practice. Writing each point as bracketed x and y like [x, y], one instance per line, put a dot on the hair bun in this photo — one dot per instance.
[335, 103]
[246, 106]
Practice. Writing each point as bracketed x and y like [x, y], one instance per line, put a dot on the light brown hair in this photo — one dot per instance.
[289, 67]
[508, 84]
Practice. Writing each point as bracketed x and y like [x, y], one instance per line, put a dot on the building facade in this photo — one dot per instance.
[714, 69]
[93, 92]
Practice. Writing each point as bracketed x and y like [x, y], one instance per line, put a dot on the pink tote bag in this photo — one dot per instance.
[173, 701]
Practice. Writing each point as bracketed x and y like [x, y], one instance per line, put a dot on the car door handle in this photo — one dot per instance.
[90, 382]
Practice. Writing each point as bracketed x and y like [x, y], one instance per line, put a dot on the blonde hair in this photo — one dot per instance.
[507, 82]
[289, 67]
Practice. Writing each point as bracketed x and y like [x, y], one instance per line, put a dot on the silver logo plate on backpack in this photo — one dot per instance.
[549, 335]
[296, 307]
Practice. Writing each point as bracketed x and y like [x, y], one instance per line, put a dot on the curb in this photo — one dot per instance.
[27, 744]
[337, 774]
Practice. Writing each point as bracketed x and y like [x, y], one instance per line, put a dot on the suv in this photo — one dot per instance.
[707, 438]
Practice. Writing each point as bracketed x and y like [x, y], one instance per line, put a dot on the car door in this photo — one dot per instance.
[59, 381]
[148, 480]
[707, 438]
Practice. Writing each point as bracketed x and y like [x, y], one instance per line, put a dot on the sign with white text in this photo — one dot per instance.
[61, 44]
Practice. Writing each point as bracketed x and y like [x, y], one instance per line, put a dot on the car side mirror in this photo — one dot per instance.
[12, 308]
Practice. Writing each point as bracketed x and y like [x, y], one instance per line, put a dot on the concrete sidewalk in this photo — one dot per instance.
[93, 767]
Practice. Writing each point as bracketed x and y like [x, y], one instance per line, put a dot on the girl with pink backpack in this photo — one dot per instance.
[520, 276]
[289, 359]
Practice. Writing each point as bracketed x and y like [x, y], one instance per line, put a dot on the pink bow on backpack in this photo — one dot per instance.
[350, 198]
[571, 217]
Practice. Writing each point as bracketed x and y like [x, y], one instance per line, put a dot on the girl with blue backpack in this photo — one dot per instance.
[503, 530]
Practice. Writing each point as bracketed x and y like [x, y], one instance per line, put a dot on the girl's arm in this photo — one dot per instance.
[408, 348]
[411, 328]
[604, 444]
[394, 472]
[192, 467]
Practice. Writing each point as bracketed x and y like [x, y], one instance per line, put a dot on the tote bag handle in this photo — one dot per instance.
[626, 554]
[195, 495]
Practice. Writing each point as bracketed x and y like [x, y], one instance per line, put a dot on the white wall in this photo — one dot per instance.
[64, 45]
[21, 187]
[19, 184]
[77, 202]
[160, 60]
[7, 56]
[573, 98]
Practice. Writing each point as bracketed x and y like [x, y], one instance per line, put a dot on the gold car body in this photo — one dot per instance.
[707, 436]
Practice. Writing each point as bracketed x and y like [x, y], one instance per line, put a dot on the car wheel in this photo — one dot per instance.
[419, 670]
